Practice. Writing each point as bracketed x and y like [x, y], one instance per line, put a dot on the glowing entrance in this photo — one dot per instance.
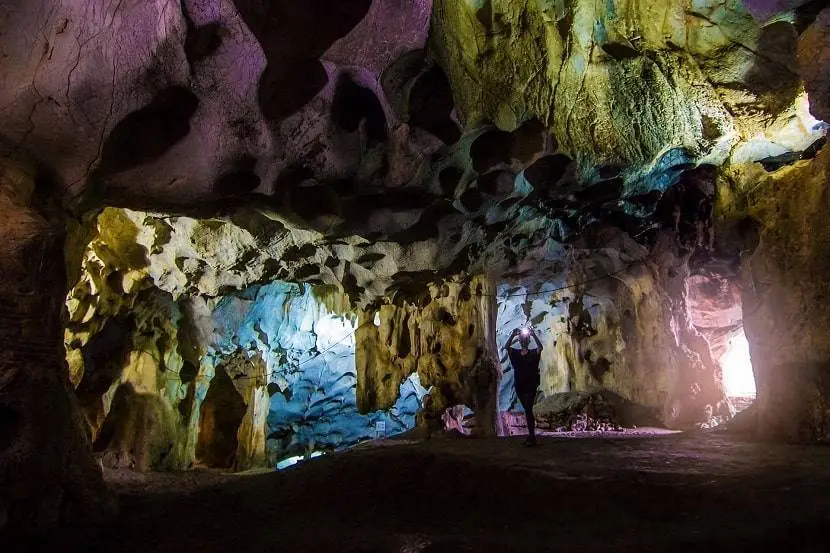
[738, 377]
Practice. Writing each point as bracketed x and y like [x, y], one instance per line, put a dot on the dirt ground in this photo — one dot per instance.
[667, 493]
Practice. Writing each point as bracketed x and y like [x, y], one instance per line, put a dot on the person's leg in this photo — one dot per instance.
[526, 398]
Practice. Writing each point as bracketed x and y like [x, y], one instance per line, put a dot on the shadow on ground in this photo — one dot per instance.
[668, 494]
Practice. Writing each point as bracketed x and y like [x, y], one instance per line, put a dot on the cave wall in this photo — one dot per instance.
[777, 223]
[48, 478]
[306, 339]
[710, 72]
[630, 333]
[367, 162]
[169, 380]
[445, 336]
[133, 351]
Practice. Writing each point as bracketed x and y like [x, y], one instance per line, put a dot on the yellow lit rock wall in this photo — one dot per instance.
[444, 337]
[136, 356]
[616, 82]
[780, 225]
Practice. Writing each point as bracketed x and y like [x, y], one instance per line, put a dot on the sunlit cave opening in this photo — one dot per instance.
[738, 375]
[715, 309]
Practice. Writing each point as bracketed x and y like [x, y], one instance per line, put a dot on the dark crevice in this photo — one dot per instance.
[449, 179]
[497, 183]
[293, 36]
[352, 104]
[286, 89]
[806, 14]
[10, 426]
[547, 171]
[404, 344]
[200, 42]
[240, 180]
[427, 225]
[396, 78]
[148, 133]
[619, 51]
[496, 146]
[431, 104]
[313, 201]
[104, 357]
[471, 199]
[222, 412]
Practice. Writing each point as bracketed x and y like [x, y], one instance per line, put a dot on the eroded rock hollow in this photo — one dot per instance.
[241, 233]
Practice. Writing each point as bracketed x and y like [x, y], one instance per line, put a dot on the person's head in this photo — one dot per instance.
[524, 338]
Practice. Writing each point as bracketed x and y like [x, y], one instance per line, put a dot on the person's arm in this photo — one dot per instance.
[536, 339]
[511, 339]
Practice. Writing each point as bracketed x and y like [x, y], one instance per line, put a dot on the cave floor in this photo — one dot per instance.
[681, 492]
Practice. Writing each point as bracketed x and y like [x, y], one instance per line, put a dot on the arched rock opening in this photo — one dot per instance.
[221, 416]
[716, 312]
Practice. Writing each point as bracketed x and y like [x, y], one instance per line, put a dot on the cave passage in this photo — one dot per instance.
[738, 374]
[222, 413]
[247, 235]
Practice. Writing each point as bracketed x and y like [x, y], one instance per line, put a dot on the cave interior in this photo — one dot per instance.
[258, 239]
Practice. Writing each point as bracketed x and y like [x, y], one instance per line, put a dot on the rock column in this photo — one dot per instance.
[48, 479]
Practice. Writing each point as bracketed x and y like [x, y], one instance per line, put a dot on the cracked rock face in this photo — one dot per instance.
[400, 137]
[182, 105]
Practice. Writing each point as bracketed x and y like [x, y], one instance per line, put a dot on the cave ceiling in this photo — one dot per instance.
[378, 145]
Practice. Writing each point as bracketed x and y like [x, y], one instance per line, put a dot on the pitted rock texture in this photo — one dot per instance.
[446, 338]
[353, 128]
[378, 148]
[148, 86]
[239, 381]
[585, 68]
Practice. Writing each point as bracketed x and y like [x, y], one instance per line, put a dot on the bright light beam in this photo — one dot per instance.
[738, 377]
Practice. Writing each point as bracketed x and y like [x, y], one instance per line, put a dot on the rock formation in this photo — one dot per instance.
[778, 221]
[291, 226]
[46, 466]
[447, 338]
[631, 334]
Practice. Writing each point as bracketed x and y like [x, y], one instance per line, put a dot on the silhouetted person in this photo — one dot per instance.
[525, 362]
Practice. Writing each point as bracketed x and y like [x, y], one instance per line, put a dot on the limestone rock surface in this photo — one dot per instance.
[813, 60]
[630, 334]
[216, 163]
[781, 220]
[49, 479]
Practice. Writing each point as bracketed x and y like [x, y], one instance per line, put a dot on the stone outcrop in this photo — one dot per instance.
[813, 60]
[779, 224]
[169, 378]
[446, 338]
[48, 476]
[709, 72]
[590, 412]
[630, 333]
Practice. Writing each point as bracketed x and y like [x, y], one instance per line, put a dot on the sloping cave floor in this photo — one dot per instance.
[682, 492]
